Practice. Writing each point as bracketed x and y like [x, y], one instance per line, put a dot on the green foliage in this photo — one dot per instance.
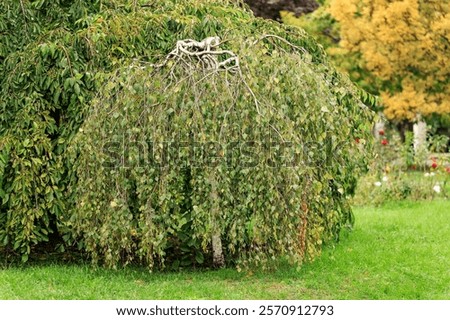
[50, 53]
[325, 29]
[72, 91]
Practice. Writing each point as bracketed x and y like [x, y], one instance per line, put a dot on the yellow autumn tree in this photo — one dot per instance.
[405, 46]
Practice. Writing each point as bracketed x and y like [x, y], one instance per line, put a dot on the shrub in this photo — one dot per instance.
[178, 164]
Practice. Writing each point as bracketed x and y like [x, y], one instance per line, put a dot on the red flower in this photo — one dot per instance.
[357, 140]
[447, 169]
[381, 132]
[384, 142]
[434, 165]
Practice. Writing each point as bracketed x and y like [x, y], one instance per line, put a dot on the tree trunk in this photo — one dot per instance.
[420, 141]
[218, 258]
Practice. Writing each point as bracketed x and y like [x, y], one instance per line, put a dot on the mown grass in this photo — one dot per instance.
[397, 251]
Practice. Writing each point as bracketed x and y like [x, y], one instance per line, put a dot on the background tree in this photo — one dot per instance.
[270, 9]
[404, 46]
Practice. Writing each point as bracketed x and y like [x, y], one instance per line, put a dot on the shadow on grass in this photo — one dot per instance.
[277, 271]
[394, 252]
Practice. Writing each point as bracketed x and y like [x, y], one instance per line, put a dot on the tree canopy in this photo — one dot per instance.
[395, 49]
[404, 45]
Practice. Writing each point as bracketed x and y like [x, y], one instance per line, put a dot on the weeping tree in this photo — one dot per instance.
[176, 134]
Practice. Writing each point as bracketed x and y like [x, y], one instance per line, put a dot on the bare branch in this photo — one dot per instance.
[282, 40]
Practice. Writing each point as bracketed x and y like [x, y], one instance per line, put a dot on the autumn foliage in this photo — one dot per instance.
[404, 46]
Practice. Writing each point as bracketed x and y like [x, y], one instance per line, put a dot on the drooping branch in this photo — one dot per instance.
[207, 55]
[303, 50]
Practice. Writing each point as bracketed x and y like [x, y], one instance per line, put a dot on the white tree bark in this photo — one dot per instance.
[420, 137]
[218, 258]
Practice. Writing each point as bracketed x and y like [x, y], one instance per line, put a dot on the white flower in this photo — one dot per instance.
[385, 179]
[427, 174]
[432, 173]
[437, 188]
[378, 184]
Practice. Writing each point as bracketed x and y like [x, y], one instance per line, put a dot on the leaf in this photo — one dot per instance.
[5, 240]
[25, 258]
[77, 88]
[17, 244]
[199, 257]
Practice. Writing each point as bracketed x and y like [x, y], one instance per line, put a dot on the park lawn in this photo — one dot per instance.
[398, 251]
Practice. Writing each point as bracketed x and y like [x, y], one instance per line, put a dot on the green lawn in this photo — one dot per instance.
[398, 251]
